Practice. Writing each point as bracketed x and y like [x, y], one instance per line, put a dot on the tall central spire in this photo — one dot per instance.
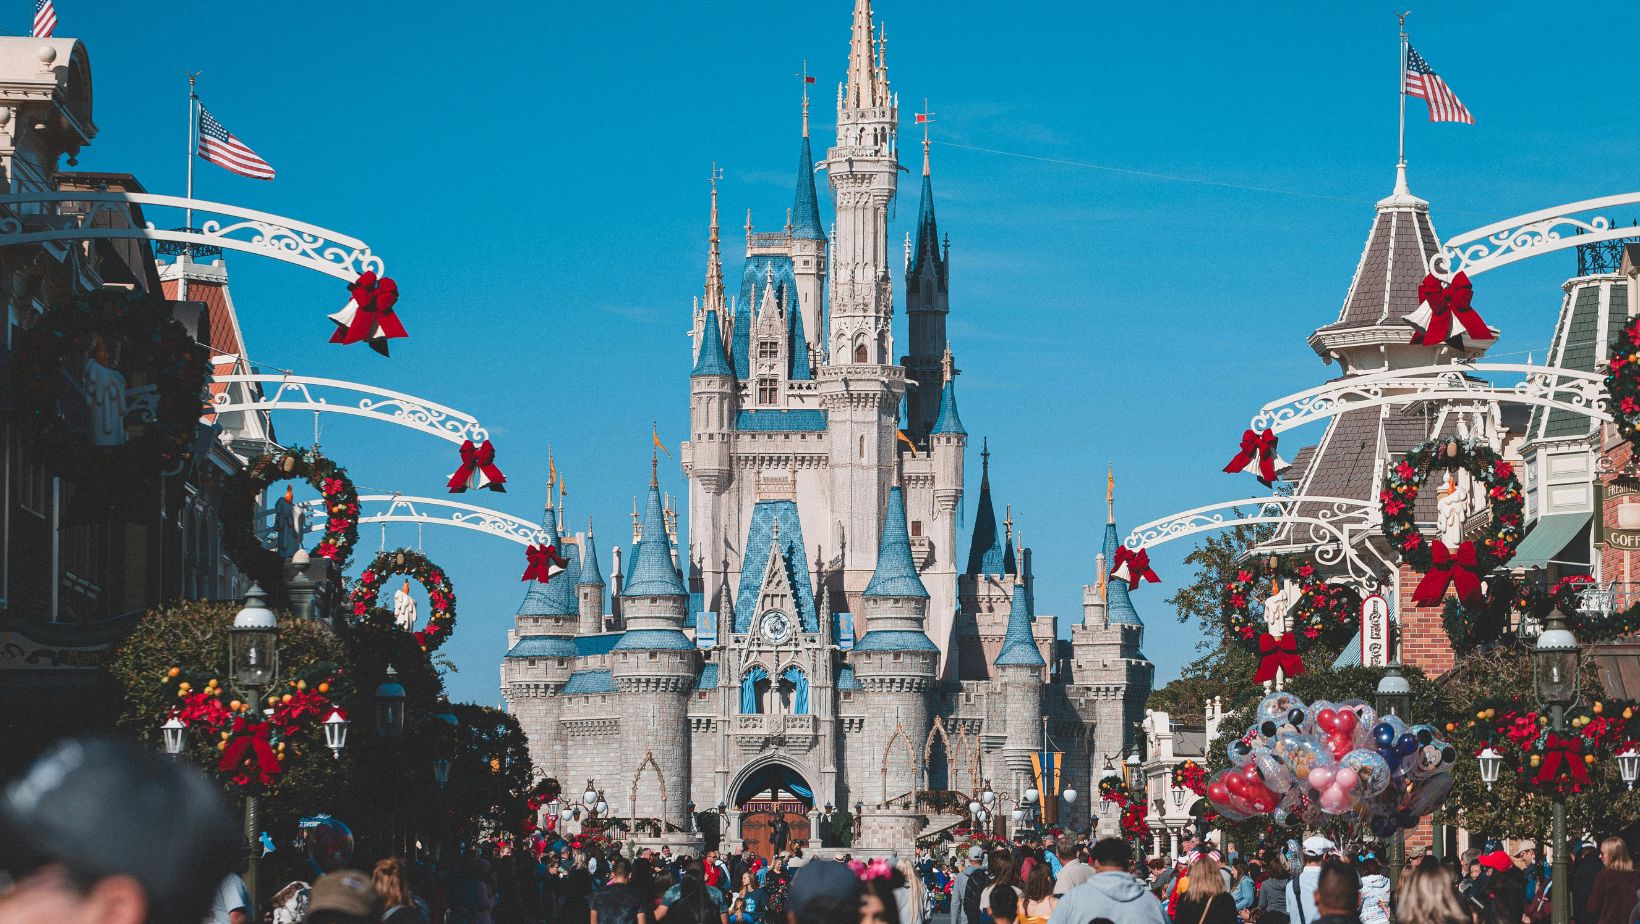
[862, 63]
[714, 258]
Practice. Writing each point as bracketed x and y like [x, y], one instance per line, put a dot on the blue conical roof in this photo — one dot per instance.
[1119, 606]
[652, 573]
[591, 571]
[985, 551]
[538, 600]
[1018, 645]
[896, 574]
[799, 349]
[927, 245]
[948, 420]
[561, 597]
[806, 207]
[712, 360]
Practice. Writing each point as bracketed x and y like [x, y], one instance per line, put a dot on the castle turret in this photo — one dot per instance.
[927, 303]
[808, 247]
[590, 588]
[540, 658]
[948, 445]
[895, 664]
[654, 667]
[712, 407]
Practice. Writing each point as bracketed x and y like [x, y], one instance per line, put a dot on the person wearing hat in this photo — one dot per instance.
[343, 897]
[974, 862]
[103, 831]
[1301, 906]
[824, 892]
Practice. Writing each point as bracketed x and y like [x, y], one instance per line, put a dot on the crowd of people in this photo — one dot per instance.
[99, 831]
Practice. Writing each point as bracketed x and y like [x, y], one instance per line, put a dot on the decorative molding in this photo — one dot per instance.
[586, 728]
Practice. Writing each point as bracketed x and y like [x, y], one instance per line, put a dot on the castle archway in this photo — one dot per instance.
[772, 801]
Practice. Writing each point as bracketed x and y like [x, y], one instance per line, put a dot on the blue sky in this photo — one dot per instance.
[536, 178]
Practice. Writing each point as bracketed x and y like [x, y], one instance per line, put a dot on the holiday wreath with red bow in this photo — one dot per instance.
[1551, 762]
[245, 488]
[1134, 810]
[1192, 776]
[1324, 614]
[1623, 382]
[441, 598]
[1461, 568]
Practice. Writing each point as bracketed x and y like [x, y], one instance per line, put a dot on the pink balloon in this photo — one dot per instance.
[1334, 799]
[1321, 778]
[1346, 779]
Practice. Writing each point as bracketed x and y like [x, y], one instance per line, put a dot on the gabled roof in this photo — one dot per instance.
[896, 574]
[652, 573]
[1018, 644]
[759, 267]
[712, 360]
[760, 540]
[806, 207]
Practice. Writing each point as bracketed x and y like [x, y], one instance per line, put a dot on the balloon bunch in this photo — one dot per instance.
[1343, 760]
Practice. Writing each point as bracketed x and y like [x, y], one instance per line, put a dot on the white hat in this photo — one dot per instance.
[976, 852]
[1315, 845]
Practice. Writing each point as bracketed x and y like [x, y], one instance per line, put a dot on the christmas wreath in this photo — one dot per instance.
[441, 599]
[245, 488]
[1192, 776]
[257, 740]
[109, 393]
[1134, 811]
[1623, 382]
[1461, 567]
[1548, 761]
[1319, 612]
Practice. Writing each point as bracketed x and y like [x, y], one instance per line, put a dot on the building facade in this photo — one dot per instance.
[826, 633]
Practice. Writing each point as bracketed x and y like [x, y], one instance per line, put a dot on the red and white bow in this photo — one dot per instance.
[1133, 567]
[478, 469]
[368, 315]
[1277, 652]
[1445, 314]
[544, 563]
[1261, 448]
[1452, 567]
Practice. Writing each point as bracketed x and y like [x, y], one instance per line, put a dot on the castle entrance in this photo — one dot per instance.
[774, 804]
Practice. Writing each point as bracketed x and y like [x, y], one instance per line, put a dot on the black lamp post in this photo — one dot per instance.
[390, 705]
[1554, 668]
[1394, 697]
[253, 663]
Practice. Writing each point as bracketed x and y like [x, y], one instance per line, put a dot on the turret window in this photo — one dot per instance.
[916, 527]
[768, 391]
[768, 349]
[860, 353]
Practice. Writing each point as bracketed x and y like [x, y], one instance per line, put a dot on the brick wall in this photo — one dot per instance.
[1423, 639]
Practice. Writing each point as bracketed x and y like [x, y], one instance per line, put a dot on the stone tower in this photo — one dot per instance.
[1019, 672]
[539, 660]
[589, 590]
[895, 663]
[653, 667]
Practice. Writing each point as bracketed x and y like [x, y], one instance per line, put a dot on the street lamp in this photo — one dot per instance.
[1491, 762]
[1554, 668]
[1070, 796]
[441, 771]
[1394, 697]
[253, 663]
[1178, 797]
[1628, 765]
[390, 705]
[336, 732]
[173, 730]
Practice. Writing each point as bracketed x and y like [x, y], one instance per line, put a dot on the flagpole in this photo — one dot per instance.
[188, 213]
[1401, 141]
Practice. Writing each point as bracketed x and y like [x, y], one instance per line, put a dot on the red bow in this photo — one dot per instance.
[544, 562]
[1561, 752]
[1455, 568]
[479, 459]
[369, 316]
[1133, 566]
[253, 737]
[1278, 653]
[1259, 446]
[1448, 303]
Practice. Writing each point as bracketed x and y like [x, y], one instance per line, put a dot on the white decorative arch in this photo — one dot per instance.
[400, 508]
[334, 396]
[1543, 386]
[74, 216]
[1331, 528]
[1534, 233]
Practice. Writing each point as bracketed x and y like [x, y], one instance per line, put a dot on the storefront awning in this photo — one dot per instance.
[1548, 541]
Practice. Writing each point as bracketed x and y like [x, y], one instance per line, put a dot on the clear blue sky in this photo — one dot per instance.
[535, 176]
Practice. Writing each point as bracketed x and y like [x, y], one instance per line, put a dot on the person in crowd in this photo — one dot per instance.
[1301, 906]
[1005, 907]
[1272, 892]
[1205, 900]
[909, 896]
[827, 892]
[1503, 897]
[974, 862]
[103, 831]
[1536, 871]
[1586, 864]
[470, 898]
[620, 901]
[1242, 888]
[1612, 897]
[692, 901]
[1072, 871]
[1469, 863]
[1428, 896]
[343, 897]
[1374, 892]
[1037, 900]
[1111, 894]
[974, 909]
[232, 904]
[391, 880]
[1337, 894]
[1004, 875]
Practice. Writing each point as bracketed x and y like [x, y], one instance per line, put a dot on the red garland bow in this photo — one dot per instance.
[479, 459]
[1456, 568]
[1278, 653]
[1447, 303]
[368, 315]
[1261, 447]
[251, 736]
[1558, 751]
[1132, 567]
[542, 561]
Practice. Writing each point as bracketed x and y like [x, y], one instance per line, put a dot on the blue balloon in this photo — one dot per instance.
[1383, 735]
[1407, 744]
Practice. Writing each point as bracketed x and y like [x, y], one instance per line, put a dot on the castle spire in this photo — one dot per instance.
[948, 421]
[805, 214]
[985, 551]
[1119, 606]
[652, 573]
[714, 259]
[896, 572]
[1018, 644]
[862, 64]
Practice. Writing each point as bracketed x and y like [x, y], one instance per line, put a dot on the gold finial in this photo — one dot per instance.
[945, 366]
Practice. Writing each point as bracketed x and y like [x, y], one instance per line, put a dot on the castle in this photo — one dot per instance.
[821, 638]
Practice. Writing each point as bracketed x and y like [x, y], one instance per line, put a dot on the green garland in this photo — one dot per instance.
[441, 598]
[1470, 628]
[149, 348]
[245, 487]
[1399, 498]
[1623, 382]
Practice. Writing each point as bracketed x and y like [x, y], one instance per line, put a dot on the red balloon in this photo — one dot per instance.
[1347, 720]
[1340, 744]
[1236, 783]
[1218, 792]
[1326, 719]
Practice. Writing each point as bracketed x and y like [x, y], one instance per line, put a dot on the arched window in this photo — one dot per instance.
[794, 691]
[860, 353]
[754, 691]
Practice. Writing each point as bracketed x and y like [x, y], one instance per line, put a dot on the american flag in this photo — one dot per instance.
[1424, 83]
[224, 150]
[45, 19]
